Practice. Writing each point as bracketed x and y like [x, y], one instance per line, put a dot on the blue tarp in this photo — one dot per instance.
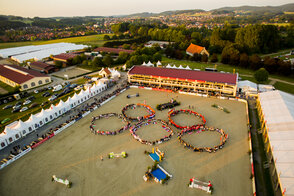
[159, 174]
[154, 156]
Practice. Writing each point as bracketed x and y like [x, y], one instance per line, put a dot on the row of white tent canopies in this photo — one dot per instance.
[20, 129]
[149, 64]
[180, 67]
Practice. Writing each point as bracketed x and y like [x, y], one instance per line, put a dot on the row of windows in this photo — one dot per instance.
[33, 84]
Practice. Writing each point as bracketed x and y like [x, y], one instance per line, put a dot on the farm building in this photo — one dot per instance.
[42, 67]
[65, 58]
[38, 52]
[14, 76]
[195, 49]
[182, 79]
[276, 115]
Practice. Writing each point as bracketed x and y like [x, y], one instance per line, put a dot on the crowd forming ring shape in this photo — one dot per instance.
[139, 118]
[175, 112]
[198, 130]
[164, 125]
[96, 131]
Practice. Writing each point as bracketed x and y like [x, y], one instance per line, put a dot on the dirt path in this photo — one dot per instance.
[273, 80]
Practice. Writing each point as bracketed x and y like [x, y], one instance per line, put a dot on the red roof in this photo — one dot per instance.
[65, 56]
[113, 50]
[18, 74]
[183, 74]
[194, 49]
[41, 65]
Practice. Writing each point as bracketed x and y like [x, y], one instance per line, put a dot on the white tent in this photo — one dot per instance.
[11, 135]
[180, 67]
[168, 66]
[22, 127]
[3, 142]
[149, 64]
[144, 63]
[247, 87]
[278, 112]
[174, 67]
[188, 68]
[32, 122]
[158, 63]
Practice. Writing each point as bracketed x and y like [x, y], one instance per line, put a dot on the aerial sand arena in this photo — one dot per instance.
[75, 154]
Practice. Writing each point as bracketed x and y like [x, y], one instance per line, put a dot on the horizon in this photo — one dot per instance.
[43, 10]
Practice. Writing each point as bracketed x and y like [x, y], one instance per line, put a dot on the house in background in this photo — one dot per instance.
[42, 67]
[195, 49]
[14, 76]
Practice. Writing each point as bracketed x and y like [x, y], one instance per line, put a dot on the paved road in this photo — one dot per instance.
[62, 119]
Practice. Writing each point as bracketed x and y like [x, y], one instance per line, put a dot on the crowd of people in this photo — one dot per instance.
[173, 103]
[108, 115]
[200, 129]
[151, 112]
[172, 113]
[134, 128]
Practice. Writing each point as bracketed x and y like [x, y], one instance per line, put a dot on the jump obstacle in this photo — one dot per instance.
[122, 154]
[134, 95]
[205, 186]
[156, 155]
[65, 182]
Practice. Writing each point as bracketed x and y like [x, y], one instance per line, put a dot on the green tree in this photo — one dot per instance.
[58, 64]
[261, 75]
[255, 62]
[204, 58]
[107, 60]
[76, 60]
[106, 37]
[244, 60]
[97, 62]
[214, 58]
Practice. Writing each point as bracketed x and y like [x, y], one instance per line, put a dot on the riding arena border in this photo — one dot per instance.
[138, 118]
[175, 112]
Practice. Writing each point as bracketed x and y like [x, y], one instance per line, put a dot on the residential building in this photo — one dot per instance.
[195, 49]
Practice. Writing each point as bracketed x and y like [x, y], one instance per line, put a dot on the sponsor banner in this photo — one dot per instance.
[222, 98]
[95, 108]
[141, 87]
[133, 86]
[40, 142]
[85, 114]
[123, 90]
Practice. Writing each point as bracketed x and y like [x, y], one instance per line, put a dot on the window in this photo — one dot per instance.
[46, 119]
[10, 139]
[56, 114]
[25, 86]
[51, 117]
[47, 80]
[16, 136]
[3, 144]
[78, 101]
[59, 111]
[36, 125]
[40, 82]
[33, 84]
[41, 122]
[24, 132]
[30, 129]
[71, 105]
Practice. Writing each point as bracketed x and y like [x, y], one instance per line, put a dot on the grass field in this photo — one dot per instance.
[87, 40]
[284, 87]
[71, 72]
[75, 154]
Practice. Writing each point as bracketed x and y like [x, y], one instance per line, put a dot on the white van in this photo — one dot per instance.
[57, 88]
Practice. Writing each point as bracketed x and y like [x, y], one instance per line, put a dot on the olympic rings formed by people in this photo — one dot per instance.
[164, 125]
[139, 118]
[175, 112]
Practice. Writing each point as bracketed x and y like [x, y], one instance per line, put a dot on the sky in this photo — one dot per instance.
[50, 8]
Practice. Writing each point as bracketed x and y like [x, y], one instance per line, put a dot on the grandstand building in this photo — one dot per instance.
[187, 80]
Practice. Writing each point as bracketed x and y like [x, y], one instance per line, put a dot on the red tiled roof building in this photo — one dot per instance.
[42, 67]
[191, 80]
[195, 49]
[15, 75]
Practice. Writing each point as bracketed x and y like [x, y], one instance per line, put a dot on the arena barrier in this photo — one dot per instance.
[15, 157]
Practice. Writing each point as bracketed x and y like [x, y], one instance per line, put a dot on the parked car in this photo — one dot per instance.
[67, 90]
[5, 120]
[46, 94]
[27, 102]
[33, 105]
[36, 91]
[45, 103]
[73, 85]
[16, 110]
[57, 88]
[23, 109]
[18, 103]
[49, 88]
[16, 107]
[31, 98]
[52, 98]
[7, 107]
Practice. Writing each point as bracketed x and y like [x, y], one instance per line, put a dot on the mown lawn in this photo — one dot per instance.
[252, 79]
[87, 40]
[284, 87]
